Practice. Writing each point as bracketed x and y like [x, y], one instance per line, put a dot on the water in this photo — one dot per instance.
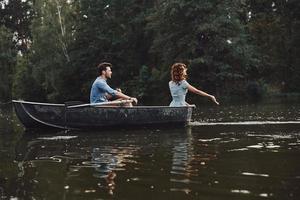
[243, 160]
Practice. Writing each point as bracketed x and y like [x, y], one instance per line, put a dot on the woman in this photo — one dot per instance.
[179, 86]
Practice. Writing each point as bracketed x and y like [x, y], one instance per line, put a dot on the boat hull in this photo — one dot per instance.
[40, 115]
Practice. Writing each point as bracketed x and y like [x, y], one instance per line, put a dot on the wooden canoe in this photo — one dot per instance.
[98, 116]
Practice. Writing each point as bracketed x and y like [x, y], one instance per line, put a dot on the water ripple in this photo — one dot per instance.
[243, 123]
[62, 137]
[254, 174]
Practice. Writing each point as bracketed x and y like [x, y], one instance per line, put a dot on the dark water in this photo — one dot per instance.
[227, 161]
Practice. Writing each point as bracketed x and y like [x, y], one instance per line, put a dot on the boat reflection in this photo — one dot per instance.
[84, 162]
[99, 165]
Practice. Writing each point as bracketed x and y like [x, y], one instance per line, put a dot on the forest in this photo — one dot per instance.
[234, 49]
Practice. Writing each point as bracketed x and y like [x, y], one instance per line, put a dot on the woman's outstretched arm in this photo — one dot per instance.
[199, 92]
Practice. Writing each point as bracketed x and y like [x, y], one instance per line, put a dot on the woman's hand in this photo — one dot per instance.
[214, 99]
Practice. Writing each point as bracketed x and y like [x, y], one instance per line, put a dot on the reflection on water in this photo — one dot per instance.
[210, 162]
[181, 163]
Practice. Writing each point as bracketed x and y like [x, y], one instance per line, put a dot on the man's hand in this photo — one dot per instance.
[135, 101]
[119, 89]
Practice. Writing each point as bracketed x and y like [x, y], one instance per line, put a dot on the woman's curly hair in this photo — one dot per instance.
[177, 74]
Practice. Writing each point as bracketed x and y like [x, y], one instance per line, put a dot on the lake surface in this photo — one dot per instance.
[228, 152]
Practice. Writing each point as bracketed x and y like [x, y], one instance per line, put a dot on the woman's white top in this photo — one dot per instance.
[178, 92]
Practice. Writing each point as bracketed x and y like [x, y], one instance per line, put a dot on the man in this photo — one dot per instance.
[101, 91]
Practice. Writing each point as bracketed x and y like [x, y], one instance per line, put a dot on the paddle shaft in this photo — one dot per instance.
[102, 104]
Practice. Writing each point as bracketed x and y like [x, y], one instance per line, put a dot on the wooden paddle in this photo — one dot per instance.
[72, 103]
[108, 103]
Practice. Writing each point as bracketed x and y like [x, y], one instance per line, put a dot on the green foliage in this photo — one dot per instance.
[228, 45]
[7, 62]
[110, 31]
[147, 86]
[17, 15]
[208, 35]
[25, 86]
[275, 27]
[49, 57]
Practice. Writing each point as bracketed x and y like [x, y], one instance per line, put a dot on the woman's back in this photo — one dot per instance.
[178, 92]
[179, 86]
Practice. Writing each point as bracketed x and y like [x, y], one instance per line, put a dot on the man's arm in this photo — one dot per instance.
[124, 96]
[117, 93]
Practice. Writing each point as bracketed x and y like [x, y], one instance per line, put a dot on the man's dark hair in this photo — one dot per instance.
[102, 67]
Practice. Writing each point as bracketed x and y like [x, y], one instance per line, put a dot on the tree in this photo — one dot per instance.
[110, 31]
[25, 85]
[17, 15]
[7, 62]
[48, 57]
[275, 29]
[208, 35]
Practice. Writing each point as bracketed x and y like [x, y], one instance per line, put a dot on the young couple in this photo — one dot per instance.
[102, 92]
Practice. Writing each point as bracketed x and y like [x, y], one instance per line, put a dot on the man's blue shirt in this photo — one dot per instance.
[99, 91]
